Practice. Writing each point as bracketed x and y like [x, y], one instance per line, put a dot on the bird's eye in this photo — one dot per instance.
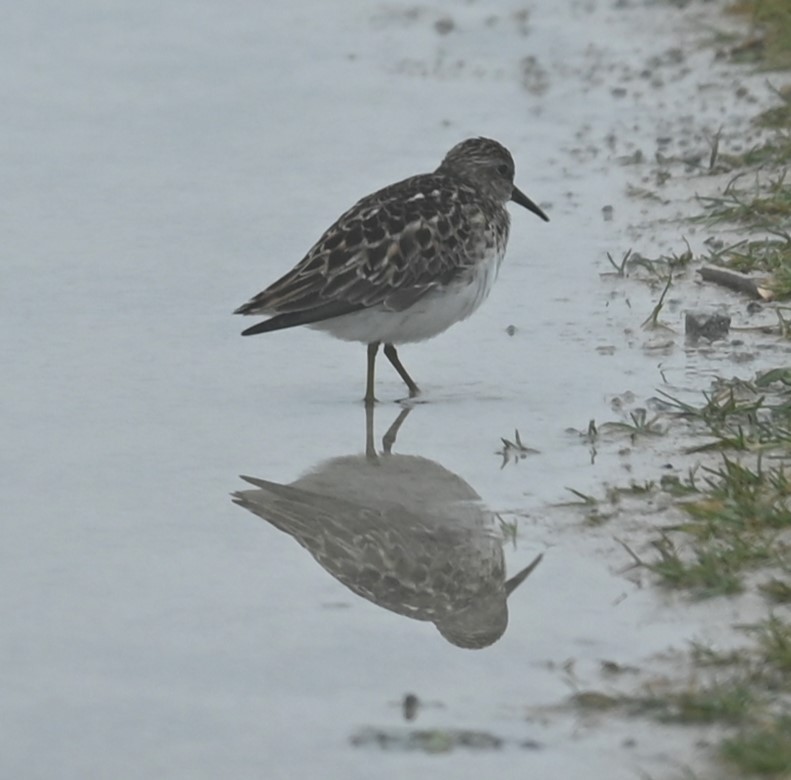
[503, 170]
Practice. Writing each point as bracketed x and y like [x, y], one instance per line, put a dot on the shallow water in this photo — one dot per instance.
[166, 162]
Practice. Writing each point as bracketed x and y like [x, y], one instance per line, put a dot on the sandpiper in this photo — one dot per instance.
[401, 531]
[406, 262]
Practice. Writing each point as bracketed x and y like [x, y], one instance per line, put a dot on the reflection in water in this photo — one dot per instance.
[402, 532]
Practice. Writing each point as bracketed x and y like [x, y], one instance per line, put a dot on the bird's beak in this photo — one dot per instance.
[515, 581]
[517, 196]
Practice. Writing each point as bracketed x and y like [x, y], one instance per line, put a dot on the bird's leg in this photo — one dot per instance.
[370, 448]
[392, 356]
[370, 398]
[388, 440]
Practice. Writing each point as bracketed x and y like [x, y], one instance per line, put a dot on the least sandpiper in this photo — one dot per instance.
[402, 532]
[406, 262]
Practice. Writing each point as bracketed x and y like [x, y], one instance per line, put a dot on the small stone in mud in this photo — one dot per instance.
[510, 330]
[635, 158]
[607, 212]
[410, 706]
[693, 159]
[444, 25]
[535, 78]
[698, 324]
[614, 668]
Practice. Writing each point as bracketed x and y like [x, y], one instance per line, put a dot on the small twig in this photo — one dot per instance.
[735, 281]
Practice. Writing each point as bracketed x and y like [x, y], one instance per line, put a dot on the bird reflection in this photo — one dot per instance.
[401, 531]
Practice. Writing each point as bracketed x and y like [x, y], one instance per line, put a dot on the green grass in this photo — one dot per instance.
[762, 749]
[740, 498]
[777, 590]
[764, 204]
[774, 641]
[708, 568]
[734, 524]
[727, 402]
[733, 530]
[744, 691]
[777, 117]
[732, 527]
[770, 44]
[777, 150]
[719, 702]
[740, 415]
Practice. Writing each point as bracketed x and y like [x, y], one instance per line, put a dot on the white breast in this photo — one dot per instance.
[432, 314]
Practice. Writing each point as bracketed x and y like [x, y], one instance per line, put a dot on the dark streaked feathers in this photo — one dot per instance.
[381, 251]
[401, 242]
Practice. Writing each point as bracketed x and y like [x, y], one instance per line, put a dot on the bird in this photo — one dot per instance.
[406, 262]
[402, 532]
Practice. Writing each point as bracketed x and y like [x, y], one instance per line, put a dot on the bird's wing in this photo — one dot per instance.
[389, 249]
[336, 529]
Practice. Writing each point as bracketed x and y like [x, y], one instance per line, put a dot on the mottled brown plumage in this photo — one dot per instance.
[402, 532]
[405, 262]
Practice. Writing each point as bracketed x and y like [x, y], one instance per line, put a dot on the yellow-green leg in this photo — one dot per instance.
[392, 356]
[370, 398]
